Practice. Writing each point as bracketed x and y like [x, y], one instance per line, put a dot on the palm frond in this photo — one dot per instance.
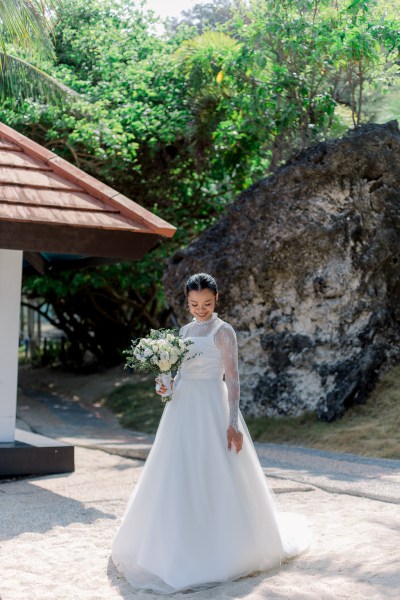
[19, 78]
[206, 45]
[27, 23]
[206, 57]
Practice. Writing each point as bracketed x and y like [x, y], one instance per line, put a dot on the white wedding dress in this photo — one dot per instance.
[201, 514]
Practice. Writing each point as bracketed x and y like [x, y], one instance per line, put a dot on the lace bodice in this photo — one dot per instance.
[216, 341]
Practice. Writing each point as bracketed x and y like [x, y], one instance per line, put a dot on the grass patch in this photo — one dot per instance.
[371, 429]
[137, 404]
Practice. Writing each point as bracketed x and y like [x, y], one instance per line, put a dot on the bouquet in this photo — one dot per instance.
[161, 351]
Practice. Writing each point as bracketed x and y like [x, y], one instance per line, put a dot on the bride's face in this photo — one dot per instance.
[201, 304]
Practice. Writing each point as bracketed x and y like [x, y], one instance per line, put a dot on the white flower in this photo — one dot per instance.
[164, 365]
[160, 349]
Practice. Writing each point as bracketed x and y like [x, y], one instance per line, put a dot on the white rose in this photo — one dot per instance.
[148, 352]
[164, 365]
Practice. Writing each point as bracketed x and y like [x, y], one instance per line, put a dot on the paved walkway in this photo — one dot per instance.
[56, 531]
[374, 478]
[88, 426]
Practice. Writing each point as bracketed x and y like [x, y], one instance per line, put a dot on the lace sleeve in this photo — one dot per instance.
[225, 339]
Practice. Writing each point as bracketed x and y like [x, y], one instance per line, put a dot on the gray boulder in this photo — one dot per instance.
[307, 263]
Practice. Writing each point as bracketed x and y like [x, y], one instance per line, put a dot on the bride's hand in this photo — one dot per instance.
[236, 437]
[162, 389]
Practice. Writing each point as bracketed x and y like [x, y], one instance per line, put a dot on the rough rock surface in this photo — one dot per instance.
[308, 267]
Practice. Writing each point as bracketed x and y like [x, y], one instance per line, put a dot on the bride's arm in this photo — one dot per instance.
[225, 338]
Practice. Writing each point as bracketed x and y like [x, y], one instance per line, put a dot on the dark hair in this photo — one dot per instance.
[201, 281]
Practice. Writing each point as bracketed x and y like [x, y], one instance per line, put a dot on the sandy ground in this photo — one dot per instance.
[56, 533]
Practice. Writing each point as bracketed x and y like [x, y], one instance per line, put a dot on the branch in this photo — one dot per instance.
[42, 313]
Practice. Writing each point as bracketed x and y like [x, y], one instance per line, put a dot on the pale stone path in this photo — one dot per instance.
[56, 531]
[81, 423]
[374, 478]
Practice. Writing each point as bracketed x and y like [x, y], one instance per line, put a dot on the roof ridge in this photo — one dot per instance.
[99, 190]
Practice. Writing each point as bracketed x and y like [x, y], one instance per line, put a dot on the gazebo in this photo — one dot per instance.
[49, 208]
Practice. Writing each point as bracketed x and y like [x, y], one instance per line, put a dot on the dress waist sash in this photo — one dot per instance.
[216, 377]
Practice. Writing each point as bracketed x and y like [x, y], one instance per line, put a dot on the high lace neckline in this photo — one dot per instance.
[212, 318]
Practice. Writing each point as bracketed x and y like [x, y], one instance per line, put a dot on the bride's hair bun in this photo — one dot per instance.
[201, 281]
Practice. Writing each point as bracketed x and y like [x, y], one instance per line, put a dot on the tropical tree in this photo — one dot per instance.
[26, 31]
[202, 17]
[185, 122]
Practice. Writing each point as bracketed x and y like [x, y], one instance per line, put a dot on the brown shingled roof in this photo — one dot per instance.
[48, 204]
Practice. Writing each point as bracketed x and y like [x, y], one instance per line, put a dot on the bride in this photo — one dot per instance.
[202, 512]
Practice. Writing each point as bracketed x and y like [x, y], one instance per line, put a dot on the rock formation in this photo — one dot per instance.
[307, 263]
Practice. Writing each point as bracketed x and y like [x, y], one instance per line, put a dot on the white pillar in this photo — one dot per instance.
[10, 299]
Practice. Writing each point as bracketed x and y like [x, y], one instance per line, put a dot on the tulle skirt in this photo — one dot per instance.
[200, 514]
